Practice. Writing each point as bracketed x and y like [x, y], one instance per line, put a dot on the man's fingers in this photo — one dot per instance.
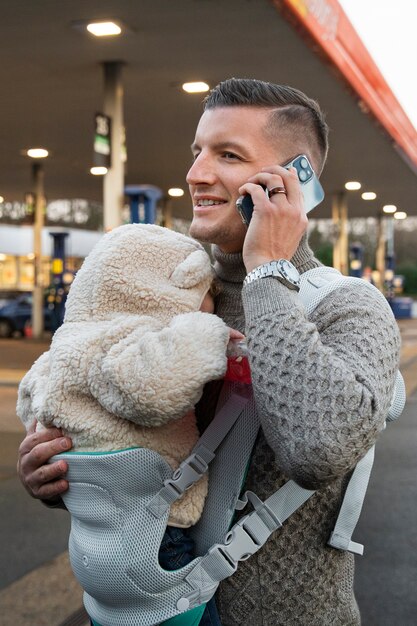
[47, 435]
[293, 186]
[289, 180]
[256, 192]
[48, 481]
[33, 466]
[42, 479]
[49, 472]
[42, 452]
[268, 179]
[52, 491]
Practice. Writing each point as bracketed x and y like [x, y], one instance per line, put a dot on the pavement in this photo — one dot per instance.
[37, 587]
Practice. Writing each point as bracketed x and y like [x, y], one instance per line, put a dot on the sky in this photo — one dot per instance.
[388, 30]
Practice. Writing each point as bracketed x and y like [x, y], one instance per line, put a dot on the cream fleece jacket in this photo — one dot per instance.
[125, 369]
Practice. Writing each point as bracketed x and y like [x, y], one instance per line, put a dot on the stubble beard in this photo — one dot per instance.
[223, 236]
[204, 234]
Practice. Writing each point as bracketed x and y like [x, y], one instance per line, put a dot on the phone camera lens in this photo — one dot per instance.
[302, 175]
[304, 163]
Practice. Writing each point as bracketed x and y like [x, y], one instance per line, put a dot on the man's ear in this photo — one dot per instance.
[192, 270]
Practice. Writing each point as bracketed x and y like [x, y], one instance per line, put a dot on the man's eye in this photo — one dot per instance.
[230, 156]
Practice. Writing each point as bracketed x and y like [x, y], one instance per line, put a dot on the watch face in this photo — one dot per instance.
[290, 271]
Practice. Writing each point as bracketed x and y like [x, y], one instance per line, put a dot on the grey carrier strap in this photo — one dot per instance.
[316, 284]
[195, 465]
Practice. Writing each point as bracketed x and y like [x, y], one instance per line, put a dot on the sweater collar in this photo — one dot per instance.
[230, 267]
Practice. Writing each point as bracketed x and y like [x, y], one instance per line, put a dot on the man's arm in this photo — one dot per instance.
[40, 479]
[322, 389]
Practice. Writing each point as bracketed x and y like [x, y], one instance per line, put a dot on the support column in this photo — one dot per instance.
[380, 252]
[340, 222]
[390, 262]
[37, 305]
[113, 184]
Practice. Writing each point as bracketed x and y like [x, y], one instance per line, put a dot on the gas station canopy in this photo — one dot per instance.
[52, 87]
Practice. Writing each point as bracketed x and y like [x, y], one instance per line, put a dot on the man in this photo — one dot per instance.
[322, 385]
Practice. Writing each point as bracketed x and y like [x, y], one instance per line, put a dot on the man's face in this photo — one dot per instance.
[230, 146]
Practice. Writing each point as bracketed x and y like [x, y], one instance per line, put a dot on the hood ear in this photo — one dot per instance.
[195, 268]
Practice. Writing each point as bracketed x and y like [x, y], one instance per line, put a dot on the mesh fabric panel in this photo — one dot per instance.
[115, 540]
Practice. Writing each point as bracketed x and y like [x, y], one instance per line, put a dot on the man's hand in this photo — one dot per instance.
[279, 221]
[41, 480]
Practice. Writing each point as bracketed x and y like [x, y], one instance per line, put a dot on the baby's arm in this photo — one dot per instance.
[154, 375]
[31, 393]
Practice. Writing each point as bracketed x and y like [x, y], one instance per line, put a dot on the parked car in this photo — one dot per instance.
[8, 295]
[15, 314]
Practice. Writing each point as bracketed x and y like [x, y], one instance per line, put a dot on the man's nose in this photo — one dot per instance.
[201, 171]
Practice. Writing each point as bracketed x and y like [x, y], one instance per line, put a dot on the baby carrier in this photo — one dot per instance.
[119, 504]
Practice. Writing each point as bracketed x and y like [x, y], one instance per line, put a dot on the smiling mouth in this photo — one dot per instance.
[205, 203]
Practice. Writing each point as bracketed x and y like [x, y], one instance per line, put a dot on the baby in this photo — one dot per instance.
[131, 359]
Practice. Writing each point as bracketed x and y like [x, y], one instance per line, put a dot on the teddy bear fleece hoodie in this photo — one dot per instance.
[130, 361]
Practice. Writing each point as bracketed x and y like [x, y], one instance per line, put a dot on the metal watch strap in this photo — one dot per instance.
[276, 269]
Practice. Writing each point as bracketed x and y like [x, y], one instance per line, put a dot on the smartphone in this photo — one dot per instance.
[310, 186]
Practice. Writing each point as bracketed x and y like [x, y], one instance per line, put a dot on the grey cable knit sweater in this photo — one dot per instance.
[322, 388]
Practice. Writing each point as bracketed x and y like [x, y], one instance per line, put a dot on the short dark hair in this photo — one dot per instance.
[295, 117]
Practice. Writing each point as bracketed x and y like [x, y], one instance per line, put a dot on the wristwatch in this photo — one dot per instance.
[282, 270]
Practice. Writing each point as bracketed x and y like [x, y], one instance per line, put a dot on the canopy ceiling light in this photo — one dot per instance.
[368, 195]
[400, 215]
[176, 192]
[352, 185]
[197, 87]
[37, 153]
[104, 29]
[389, 208]
[98, 171]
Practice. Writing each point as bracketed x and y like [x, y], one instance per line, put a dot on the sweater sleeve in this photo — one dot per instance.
[322, 386]
[31, 392]
[153, 375]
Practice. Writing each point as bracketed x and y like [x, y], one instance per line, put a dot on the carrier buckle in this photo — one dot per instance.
[221, 561]
[251, 532]
[262, 511]
[188, 473]
[240, 544]
[218, 563]
[196, 597]
[192, 468]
